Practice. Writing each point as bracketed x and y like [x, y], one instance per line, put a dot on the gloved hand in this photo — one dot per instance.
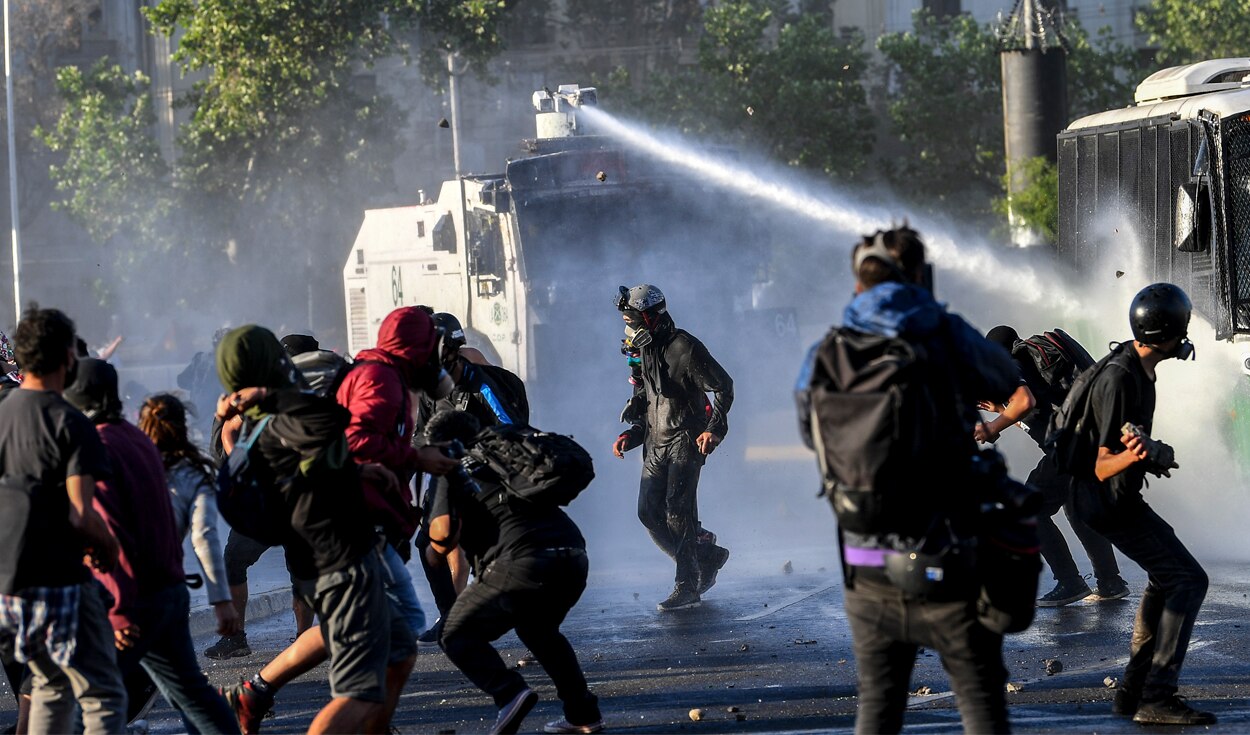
[1160, 456]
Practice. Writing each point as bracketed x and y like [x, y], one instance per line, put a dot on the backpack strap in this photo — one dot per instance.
[246, 443]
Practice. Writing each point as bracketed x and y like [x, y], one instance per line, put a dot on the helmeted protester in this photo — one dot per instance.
[1107, 495]
[50, 459]
[151, 605]
[678, 429]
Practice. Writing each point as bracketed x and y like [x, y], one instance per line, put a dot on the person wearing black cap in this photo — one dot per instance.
[298, 344]
[1108, 496]
[493, 395]
[1054, 485]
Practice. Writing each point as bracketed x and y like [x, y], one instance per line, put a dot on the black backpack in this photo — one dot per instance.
[1059, 359]
[323, 370]
[248, 501]
[537, 466]
[1069, 439]
[876, 424]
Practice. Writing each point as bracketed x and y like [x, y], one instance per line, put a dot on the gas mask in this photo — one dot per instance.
[432, 378]
[639, 337]
[1184, 350]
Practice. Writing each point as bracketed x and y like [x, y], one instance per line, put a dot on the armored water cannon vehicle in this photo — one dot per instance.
[1177, 165]
[530, 260]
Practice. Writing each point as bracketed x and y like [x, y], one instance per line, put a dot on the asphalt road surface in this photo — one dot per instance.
[769, 651]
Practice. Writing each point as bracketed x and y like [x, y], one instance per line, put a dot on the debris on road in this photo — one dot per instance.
[731, 710]
[696, 714]
[923, 691]
[787, 568]
[804, 641]
[1053, 666]
[745, 647]
[1111, 682]
[1013, 688]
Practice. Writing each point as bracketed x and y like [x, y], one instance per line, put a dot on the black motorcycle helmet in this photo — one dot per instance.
[1160, 312]
[453, 333]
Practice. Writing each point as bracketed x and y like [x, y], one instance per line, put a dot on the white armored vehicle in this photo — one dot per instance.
[530, 260]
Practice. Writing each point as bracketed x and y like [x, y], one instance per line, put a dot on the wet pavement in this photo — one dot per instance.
[770, 652]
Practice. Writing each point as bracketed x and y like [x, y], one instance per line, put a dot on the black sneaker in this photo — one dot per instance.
[1171, 711]
[1126, 702]
[1115, 589]
[682, 598]
[229, 646]
[1065, 593]
[707, 572]
[509, 720]
[431, 634]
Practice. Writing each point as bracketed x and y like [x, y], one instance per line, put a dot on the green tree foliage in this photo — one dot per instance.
[1036, 204]
[1102, 72]
[767, 79]
[943, 96]
[1185, 31]
[287, 139]
[112, 173]
[944, 100]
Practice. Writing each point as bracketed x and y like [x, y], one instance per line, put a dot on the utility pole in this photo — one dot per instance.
[17, 240]
[454, 103]
[1035, 101]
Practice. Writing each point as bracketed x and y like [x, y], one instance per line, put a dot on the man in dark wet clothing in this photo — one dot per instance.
[1108, 496]
[531, 570]
[679, 429]
[1054, 486]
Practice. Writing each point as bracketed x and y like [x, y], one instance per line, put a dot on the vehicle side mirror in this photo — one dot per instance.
[1192, 233]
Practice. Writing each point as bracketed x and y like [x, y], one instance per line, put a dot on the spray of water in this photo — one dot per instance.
[984, 280]
[1033, 279]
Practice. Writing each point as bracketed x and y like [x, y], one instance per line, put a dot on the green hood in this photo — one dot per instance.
[252, 357]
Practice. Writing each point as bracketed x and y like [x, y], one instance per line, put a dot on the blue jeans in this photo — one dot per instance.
[165, 651]
[398, 587]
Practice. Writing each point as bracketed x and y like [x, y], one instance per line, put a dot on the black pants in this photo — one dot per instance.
[532, 595]
[1055, 489]
[1174, 591]
[668, 505]
[887, 628]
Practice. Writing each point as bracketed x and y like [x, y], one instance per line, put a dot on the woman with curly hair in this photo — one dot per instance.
[163, 418]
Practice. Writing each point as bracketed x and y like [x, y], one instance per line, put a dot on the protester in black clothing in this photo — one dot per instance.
[242, 553]
[890, 620]
[1108, 497]
[493, 395]
[680, 428]
[1054, 485]
[531, 570]
[329, 540]
[50, 457]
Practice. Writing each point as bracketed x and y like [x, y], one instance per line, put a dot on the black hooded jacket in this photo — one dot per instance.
[678, 373]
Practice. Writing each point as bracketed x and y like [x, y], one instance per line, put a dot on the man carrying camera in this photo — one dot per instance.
[531, 570]
[1108, 498]
[904, 535]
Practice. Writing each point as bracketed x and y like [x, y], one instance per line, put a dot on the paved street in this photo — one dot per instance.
[770, 652]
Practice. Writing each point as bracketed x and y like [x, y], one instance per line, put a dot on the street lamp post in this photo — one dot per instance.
[17, 241]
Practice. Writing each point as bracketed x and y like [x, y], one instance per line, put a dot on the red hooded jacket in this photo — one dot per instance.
[376, 392]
